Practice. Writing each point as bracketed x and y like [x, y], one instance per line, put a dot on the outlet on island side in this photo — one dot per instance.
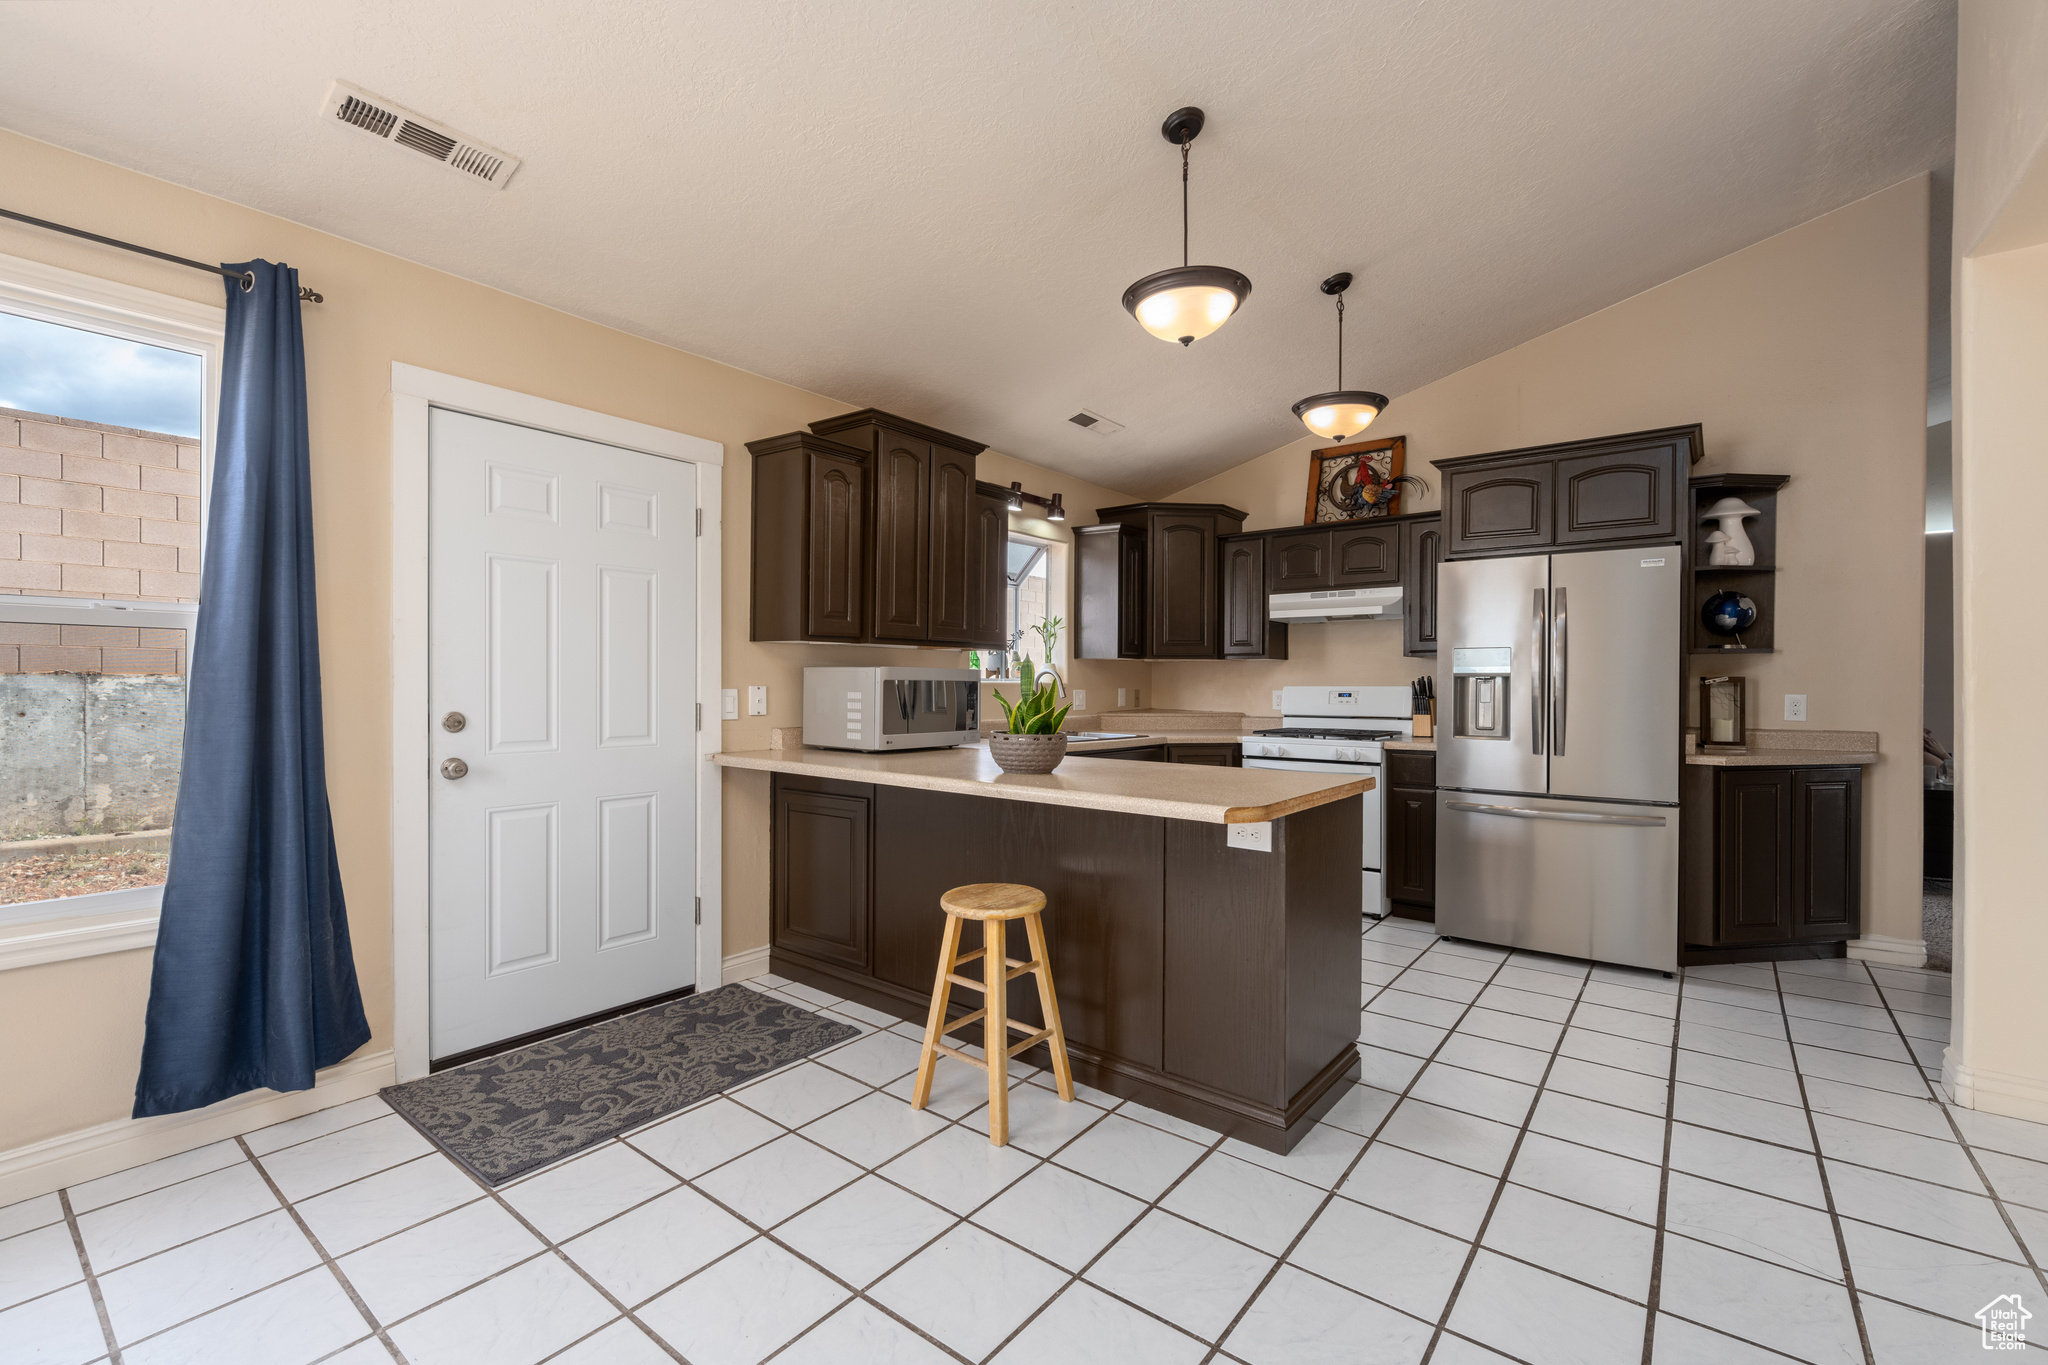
[1795, 706]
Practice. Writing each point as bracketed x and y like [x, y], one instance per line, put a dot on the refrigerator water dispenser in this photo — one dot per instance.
[1481, 704]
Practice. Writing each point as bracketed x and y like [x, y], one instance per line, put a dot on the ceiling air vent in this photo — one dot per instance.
[395, 123]
[1089, 420]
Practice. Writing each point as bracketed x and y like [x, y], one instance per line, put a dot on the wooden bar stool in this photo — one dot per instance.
[995, 904]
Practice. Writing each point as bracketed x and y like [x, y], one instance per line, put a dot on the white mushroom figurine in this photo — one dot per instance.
[1731, 512]
[1717, 547]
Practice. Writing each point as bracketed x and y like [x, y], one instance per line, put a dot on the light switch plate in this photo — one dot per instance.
[1122, 696]
[757, 701]
[1795, 706]
[1080, 696]
[1258, 838]
[729, 704]
[1137, 696]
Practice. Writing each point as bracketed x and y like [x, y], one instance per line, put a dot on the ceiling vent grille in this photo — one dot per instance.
[1089, 420]
[394, 123]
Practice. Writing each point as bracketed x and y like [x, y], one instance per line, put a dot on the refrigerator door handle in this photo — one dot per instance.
[1536, 704]
[1577, 817]
[1559, 673]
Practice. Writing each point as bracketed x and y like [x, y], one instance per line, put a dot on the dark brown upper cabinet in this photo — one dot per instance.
[810, 520]
[988, 557]
[1247, 632]
[916, 552]
[1319, 557]
[1422, 549]
[1299, 561]
[1612, 490]
[1168, 578]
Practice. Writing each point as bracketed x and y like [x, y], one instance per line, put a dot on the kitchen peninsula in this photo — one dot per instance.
[1216, 983]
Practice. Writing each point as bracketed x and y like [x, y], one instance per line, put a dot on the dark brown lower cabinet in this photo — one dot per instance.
[1213, 983]
[1772, 856]
[1208, 755]
[1410, 806]
[1150, 753]
[819, 883]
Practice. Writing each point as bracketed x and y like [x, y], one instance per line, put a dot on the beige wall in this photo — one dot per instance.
[74, 1028]
[1998, 1051]
[1803, 355]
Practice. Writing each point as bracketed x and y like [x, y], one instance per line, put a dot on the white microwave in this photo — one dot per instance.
[882, 709]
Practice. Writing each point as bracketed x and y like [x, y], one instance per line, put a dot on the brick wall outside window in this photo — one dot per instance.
[90, 510]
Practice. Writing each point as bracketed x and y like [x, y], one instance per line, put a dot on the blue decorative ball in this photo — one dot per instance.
[1728, 613]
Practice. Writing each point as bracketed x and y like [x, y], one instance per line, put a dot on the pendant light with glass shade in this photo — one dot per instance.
[1187, 303]
[1342, 412]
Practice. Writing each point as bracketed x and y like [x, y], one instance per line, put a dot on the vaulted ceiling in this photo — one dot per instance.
[935, 207]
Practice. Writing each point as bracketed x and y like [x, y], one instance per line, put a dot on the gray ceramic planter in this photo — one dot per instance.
[1026, 753]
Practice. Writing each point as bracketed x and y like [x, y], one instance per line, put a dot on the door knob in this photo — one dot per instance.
[453, 768]
[454, 721]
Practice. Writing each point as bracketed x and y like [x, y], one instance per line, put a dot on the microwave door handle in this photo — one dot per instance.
[1536, 676]
[1560, 668]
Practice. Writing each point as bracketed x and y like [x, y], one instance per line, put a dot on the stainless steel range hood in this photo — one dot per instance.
[1338, 604]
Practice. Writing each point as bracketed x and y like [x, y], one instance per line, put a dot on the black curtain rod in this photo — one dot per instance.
[248, 281]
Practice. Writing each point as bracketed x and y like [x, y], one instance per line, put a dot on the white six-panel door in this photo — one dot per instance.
[562, 634]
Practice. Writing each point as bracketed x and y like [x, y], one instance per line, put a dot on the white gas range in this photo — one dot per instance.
[1339, 729]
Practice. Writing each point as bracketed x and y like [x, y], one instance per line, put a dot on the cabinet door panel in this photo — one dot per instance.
[1183, 587]
[1131, 617]
[832, 608]
[1499, 509]
[1365, 557]
[952, 536]
[1206, 755]
[1827, 809]
[1753, 827]
[1411, 845]
[1301, 561]
[821, 891]
[902, 539]
[988, 583]
[1247, 632]
[1422, 549]
[1617, 496]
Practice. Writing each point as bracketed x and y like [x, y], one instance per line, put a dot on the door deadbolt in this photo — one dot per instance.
[453, 768]
[453, 721]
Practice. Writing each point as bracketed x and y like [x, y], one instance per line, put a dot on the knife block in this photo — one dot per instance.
[1424, 721]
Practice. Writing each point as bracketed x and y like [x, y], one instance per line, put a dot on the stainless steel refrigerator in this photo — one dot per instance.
[1558, 687]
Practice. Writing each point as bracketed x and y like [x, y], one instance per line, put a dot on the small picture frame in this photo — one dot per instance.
[1722, 719]
[1355, 482]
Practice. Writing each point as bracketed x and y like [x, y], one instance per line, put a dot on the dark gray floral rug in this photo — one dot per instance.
[516, 1112]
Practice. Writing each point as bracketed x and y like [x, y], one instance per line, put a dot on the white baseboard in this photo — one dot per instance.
[70, 1158]
[745, 966]
[1995, 1092]
[1889, 952]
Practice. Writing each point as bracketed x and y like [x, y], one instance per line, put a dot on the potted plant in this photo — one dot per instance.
[1032, 742]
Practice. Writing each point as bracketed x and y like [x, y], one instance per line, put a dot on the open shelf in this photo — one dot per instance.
[1758, 582]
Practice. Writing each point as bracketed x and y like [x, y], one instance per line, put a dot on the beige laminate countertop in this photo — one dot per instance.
[1172, 791]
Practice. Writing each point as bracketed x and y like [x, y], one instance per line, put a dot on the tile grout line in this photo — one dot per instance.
[1370, 1138]
[1934, 1093]
[1827, 1189]
[1514, 1151]
[319, 1249]
[1655, 1300]
[92, 1281]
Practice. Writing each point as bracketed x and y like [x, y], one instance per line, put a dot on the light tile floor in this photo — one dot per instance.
[1546, 1163]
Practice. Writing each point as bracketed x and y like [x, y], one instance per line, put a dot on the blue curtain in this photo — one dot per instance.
[253, 984]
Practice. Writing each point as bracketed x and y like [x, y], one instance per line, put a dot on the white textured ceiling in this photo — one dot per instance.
[934, 207]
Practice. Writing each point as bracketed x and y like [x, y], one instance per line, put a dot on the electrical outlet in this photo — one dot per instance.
[729, 704]
[1258, 838]
[1137, 697]
[1080, 696]
[1795, 706]
[1123, 697]
[1276, 701]
[757, 701]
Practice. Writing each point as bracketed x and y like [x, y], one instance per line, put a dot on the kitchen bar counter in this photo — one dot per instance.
[1216, 796]
[1203, 968]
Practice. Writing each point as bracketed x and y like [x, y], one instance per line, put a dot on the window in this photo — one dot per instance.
[1027, 603]
[106, 402]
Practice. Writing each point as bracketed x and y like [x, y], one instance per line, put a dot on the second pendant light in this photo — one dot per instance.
[1341, 412]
